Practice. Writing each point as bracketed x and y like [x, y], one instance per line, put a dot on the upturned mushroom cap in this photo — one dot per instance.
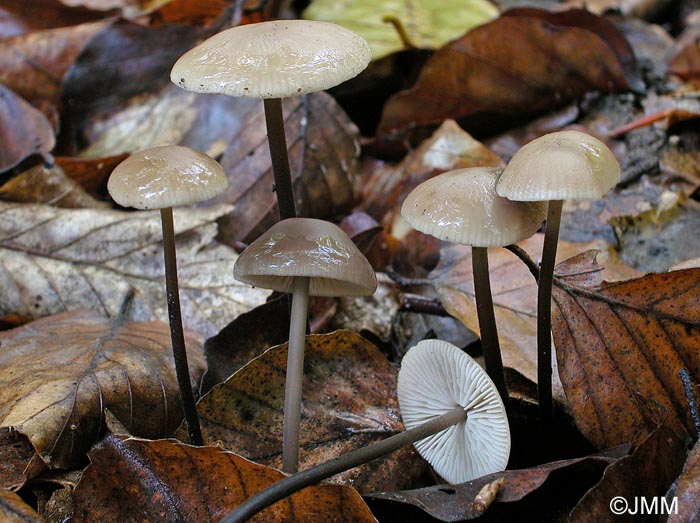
[273, 60]
[462, 206]
[436, 377]
[166, 176]
[560, 166]
[306, 247]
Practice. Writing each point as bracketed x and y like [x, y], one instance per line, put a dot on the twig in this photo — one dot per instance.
[403, 281]
[531, 264]
[422, 305]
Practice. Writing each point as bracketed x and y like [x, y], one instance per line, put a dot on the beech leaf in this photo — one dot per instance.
[60, 373]
[348, 401]
[621, 344]
[54, 260]
[132, 480]
[18, 459]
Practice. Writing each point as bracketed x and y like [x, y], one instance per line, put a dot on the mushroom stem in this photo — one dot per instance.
[177, 335]
[274, 119]
[292, 484]
[487, 321]
[544, 310]
[295, 374]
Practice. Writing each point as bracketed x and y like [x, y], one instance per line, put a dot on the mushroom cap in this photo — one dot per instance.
[166, 176]
[560, 166]
[273, 59]
[436, 377]
[308, 247]
[462, 206]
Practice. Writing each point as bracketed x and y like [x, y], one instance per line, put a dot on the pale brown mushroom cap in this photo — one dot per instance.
[560, 166]
[273, 60]
[306, 247]
[166, 176]
[437, 377]
[462, 206]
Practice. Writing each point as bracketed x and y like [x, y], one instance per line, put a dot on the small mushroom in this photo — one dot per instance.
[161, 178]
[273, 60]
[462, 206]
[550, 169]
[453, 415]
[306, 257]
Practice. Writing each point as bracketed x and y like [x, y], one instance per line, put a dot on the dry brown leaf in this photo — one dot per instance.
[24, 131]
[14, 510]
[687, 491]
[133, 480]
[91, 173]
[203, 12]
[323, 149]
[622, 344]
[18, 459]
[348, 402]
[685, 61]
[514, 296]
[60, 373]
[18, 17]
[53, 260]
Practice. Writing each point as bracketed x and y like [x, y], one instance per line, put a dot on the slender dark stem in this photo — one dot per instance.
[292, 484]
[525, 258]
[487, 321]
[544, 311]
[295, 374]
[691, 399]
[177, 335]
[280, 160]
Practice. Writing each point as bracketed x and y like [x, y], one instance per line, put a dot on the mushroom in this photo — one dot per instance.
[550, 169]
[462, 206]
[453, 415]
[161, 178]
[306, 257]
[273, 60]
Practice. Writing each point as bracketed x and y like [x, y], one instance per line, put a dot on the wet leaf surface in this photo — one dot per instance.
[348, 401]
[59, 373]
[132, 480]
[622, 344]
[55, 260]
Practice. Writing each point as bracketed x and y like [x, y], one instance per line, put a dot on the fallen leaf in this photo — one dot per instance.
[91, 173]
[514, 65]
[514, 297]
[621, 344]
[14, 510]
[428, 25]
[33, 65]
[18, 460]
[48, 185]
[456, 502]
[134, 480]
[348, 401]
[685, 57]
[205, 12]
[54, 260]
[60, 373]
[687, 491]
[645, 474]
[18, 17]
[24, 131]
[323, 149]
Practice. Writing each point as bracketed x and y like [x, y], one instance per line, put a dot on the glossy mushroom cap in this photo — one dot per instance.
[560, 166]
[462, 206]
[436, 377]
[166, 176]
[306, 247]
[273, 60]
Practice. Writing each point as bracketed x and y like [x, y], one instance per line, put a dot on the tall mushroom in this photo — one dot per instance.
[462, 206]
[306, 257]
[552, 168]
[161, 178]
[453, 415]
[274, 60]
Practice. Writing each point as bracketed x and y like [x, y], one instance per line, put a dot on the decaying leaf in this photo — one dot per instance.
[457, 502]
[622, 344]
[18, 17]
[53, 260]
[348, 401]
[688, 490]
[518, 64]
[323, 149]
[685, 61]
[429, 25]
[18, 459]
[205, 12]
[24, 131]
[60, 373]
[90, 173]
[14, 510]
[132, 480]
